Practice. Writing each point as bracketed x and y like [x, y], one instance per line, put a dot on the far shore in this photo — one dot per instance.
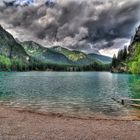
[18, 124]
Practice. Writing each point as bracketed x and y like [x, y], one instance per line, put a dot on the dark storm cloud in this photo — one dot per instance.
[83, 25]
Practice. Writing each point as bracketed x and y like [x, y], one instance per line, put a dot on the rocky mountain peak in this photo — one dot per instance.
[137, 35]
[133, 45]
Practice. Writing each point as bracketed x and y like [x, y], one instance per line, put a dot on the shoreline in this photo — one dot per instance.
[133, 115]
[73, 116]
[22, 124]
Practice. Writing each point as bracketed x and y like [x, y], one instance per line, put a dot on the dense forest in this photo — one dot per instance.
[7, 64]
[122, 56]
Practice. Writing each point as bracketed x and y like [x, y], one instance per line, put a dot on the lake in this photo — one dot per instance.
[72, 93]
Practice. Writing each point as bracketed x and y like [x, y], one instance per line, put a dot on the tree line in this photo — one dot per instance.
[122, 56]
[7, 64]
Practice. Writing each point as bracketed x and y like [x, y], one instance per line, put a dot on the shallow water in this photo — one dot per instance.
[73, 93]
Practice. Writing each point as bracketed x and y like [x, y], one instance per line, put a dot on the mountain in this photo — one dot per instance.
[29, 55]
[128, 60]
[133, 59]
[57, 54]
[12, 54]
[44, 54]
[10, 48]
[76, 57]
[101, 58]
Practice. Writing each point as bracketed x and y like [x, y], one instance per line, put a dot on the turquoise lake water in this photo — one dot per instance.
[74, 93]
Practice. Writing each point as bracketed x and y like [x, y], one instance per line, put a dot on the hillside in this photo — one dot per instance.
[128, 60]
[44, 54]
[134, 55]
[77, 58]
[10, 48]
[101, 58]
[60, 55]
[29, 55]
[12, 54]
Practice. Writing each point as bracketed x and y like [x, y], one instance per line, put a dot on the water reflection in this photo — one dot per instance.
[134, 83]
[75, 93]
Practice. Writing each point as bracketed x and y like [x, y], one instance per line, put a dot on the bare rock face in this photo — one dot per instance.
[137, 35]
[132, 46]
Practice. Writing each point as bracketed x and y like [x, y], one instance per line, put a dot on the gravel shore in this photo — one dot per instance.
[25, 125]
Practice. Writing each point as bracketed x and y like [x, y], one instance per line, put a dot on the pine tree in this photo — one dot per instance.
[120, 55]
[114, 61]
[125, 53]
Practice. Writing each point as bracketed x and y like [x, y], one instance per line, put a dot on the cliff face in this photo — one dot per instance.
[133, 44]
[131, 64]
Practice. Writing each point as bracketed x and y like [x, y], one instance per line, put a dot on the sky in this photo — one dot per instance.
[99, 26]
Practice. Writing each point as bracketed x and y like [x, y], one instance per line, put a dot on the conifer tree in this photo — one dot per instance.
[114, 61]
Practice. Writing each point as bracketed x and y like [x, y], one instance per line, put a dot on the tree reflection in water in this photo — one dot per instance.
[135, 86]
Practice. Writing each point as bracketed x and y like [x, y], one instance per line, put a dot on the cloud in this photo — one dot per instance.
[90, 26]
[114, 46]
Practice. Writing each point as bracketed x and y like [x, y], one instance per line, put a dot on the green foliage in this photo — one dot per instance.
[134, 67]
[130, 61]
[16, 56]
[41, 53]
[114, 61]
[100, 58]
[121, 58]
[134, 63]
[43, 66]
[125, 53]
[71, 55]
[122, 54]
[7, 64]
